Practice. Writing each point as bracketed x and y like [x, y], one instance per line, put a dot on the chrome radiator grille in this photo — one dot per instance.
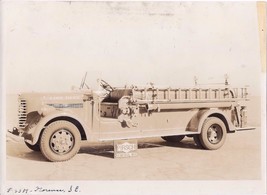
[22, 113]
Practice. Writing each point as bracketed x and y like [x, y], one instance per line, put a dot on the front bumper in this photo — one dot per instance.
[19, 135]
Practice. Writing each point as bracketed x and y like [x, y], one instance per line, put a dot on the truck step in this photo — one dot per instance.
[245, 128]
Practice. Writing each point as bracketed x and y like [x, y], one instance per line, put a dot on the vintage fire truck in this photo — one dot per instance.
[57, 123]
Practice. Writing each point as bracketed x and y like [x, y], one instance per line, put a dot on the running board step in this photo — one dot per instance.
[245, 128]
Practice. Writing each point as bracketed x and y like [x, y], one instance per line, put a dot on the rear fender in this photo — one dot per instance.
[36, 131]
[198, 119]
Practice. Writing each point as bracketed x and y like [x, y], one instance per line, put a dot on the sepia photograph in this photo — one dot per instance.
[133, 97]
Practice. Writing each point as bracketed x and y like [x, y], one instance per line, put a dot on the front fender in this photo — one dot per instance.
[36, 131]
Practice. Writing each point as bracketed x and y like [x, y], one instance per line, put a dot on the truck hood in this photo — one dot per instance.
[35, 101]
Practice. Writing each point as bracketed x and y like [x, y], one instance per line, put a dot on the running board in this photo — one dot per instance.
[245, 128]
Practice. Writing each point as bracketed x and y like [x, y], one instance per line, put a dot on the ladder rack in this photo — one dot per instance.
[188, 94]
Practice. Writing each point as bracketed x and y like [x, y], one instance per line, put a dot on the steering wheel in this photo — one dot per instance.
[106, 86]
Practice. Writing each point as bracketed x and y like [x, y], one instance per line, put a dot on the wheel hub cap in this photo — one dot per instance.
[214, 134]
[62, 141]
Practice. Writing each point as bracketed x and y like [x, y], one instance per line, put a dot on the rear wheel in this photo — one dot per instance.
[197, 140]
[60, 141]
[213, 133]
[175, 138]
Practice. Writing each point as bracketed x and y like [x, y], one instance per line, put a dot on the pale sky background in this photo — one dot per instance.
[48, 46]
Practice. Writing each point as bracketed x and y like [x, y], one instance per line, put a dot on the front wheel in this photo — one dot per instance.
[60, 141]
[213, 133]
[35, 147]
